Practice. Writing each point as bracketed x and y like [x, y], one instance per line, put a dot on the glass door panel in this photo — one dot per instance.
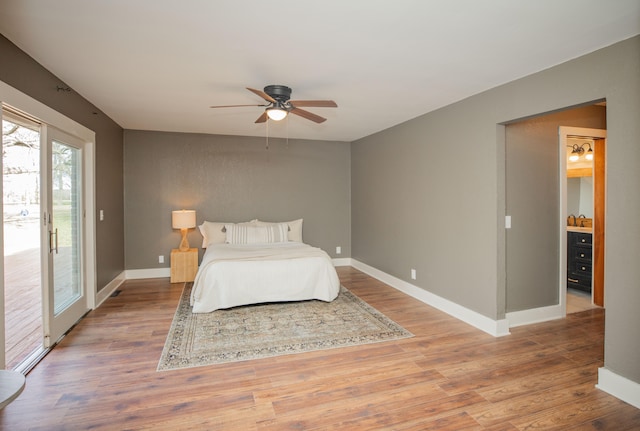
[65, 295]
[21, 215]
[66, 218]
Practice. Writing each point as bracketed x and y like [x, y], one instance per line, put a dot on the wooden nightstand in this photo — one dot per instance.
[184, 265]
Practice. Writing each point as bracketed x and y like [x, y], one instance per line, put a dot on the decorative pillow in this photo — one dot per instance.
[213, 232]
[295, 228]
[247, 234]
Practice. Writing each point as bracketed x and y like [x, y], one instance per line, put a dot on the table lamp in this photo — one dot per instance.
[183, 220]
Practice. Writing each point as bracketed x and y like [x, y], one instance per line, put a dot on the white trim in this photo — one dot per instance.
[111, 287]
[89, 187]
[535, 315]
[342, 261]
[618, 386]
[497, 328]
[135, 274]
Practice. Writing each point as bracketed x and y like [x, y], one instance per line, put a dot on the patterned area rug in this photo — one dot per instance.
[266, 330]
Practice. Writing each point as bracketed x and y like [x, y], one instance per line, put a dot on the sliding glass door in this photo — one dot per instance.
[44, 276]
[54, 260]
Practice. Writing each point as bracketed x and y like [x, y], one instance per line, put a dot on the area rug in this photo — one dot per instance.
[267, 330]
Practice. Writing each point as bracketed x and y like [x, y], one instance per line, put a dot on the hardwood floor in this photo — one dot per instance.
[578, 301]
[450, 376]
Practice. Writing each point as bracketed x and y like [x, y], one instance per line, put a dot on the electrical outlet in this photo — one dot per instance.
[413, 274]
[338, 250]
[160, 259]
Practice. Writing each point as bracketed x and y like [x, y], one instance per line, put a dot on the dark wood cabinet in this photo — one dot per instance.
[579, 259]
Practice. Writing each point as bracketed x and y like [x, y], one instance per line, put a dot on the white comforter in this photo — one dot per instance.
[233, 275]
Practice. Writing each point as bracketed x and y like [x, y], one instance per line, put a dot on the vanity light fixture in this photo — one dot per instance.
[589, 155]
[578, 150]
[183, 220]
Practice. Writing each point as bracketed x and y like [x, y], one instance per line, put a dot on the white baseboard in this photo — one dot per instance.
[106, 291]
[534, 315]
[343, 261]
[618, 386]
[497, 328]
[134, 274]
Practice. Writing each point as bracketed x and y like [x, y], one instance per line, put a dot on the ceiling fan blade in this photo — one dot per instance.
[314, 103]
[308, 115]
[262, 94]
[233, 106]
[262, 118]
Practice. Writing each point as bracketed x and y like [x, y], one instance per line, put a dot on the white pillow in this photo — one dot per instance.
[213, 232]
[295, 228]
[247, 234]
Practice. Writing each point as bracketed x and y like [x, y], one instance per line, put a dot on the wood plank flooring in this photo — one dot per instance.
[450, 376]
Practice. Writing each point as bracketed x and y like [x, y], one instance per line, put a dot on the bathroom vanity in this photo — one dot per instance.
[579, 258]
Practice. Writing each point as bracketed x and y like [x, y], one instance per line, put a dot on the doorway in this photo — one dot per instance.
[43, 235]
[583, 152]
[535, 260]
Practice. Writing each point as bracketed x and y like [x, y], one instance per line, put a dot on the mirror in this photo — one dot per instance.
[580, 196]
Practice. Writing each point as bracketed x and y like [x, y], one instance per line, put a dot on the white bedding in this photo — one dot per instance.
[232, 275]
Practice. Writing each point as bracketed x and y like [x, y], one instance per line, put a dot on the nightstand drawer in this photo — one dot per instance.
[184, 265]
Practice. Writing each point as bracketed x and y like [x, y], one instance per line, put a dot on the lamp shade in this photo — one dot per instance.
[183, 219]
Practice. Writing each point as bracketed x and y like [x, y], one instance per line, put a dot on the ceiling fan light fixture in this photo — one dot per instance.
[276, 113]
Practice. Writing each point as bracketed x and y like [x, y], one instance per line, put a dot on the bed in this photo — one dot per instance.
[258, 262]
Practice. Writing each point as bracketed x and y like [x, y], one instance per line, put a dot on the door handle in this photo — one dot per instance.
[51, 242]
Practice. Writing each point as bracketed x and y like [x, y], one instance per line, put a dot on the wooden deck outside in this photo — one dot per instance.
[449, 376]
[23, 305]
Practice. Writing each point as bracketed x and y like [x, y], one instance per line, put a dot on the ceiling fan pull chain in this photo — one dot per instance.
[267, 144]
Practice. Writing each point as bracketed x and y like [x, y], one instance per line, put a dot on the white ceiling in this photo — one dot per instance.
[160, 64]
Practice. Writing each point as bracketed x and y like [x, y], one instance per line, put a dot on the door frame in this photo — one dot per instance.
[43, 113]
[598, 227]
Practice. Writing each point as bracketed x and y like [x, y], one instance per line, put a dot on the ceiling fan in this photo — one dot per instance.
[280, 106]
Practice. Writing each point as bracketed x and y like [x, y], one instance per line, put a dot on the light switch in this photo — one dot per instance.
[101, 215]
[507, 222]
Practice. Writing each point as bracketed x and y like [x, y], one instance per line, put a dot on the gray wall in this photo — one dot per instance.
[232, 179]
[23, 73]
[533, 201]
[430, 193]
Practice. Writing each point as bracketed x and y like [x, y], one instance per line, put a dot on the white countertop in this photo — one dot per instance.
[579, 229]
